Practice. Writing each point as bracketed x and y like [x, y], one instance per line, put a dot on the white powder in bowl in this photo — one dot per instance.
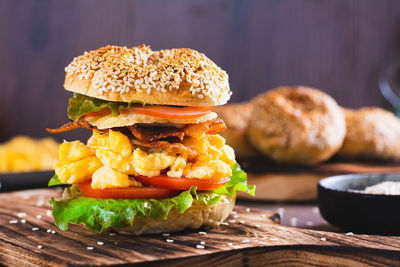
[384, 188]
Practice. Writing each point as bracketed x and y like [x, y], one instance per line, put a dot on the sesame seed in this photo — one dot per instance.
[49, 230]
[273, 239]
[23, 221]
[115, 243]
[169, 240]
[232, 221]
[229, 244]
[35, 229]
[203, 242]
[21, 214]
[245, 241]
[248, 209]
[349, 234]
[39, 246]
[100, 243]
[323, 239]
[242, 222]
[200, 246]
[112, 234]
[166, 234]
[39, 216]
[236, 247]
[202, 233]
[235, 216]
[53, 232]
[89, 248]
[13, 221]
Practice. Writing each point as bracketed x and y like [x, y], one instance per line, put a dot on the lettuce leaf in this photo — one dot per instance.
[54, 181]
[99, 214]
[79, 105]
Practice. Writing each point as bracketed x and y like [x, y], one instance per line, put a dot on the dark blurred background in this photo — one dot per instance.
[337, 46]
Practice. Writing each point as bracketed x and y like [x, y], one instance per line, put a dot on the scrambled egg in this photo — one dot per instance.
[24, 154]
[109, 158]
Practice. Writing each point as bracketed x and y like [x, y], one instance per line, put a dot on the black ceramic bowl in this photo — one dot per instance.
[359, 212]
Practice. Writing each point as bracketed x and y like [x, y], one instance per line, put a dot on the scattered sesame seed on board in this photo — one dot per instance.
[232, 221]
[39, 216]
[242, 221]
[23, 221]
[235, 216]
[112, 234]
[236, 247]
[166, 234]
[35, 229]
[323, 239]
[202, 233]
[39, 246]
[100, 243]
[349, 234]
[49, 230]
[21, 214]
[200, 246]
[246, 241]
[229, 244]
[273, 239]
[89, 248]
[203, 242]
[169, 240]
[248, 209]
[13, 221]
[53, 232]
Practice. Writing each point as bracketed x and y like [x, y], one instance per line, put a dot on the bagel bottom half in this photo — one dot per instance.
[196, 216]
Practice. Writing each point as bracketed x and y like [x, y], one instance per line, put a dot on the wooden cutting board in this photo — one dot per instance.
[251, 238]
[290, 183]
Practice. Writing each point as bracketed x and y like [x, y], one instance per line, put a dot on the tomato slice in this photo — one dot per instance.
[126, 193]
[182, 183]
[159, 111]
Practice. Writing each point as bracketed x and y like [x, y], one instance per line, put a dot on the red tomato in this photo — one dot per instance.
[126, 193]
[159, 111]
[182, 183]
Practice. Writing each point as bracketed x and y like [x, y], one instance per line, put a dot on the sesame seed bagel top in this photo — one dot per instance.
[181, 77]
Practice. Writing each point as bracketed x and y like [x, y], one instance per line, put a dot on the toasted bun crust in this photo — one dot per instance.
[297, 125]
[181, 77]
[196, 216]
[371, 133]
[236, 117]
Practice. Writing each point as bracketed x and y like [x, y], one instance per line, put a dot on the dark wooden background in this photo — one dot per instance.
[338, 46]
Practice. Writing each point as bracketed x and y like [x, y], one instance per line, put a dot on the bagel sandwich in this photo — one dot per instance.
[155, 161]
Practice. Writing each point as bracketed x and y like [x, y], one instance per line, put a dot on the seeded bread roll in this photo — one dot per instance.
[372, 133]
[182, 77]
[236, 118]
[196, 216]
[297, 125]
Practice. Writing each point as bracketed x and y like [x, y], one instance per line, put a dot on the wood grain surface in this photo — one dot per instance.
[276, 182]
[338, 46]
[251, 238]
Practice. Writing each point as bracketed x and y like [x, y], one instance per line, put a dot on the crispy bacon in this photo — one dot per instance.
[177, 148]
[149, 134]
[72, 125]
[208, 127]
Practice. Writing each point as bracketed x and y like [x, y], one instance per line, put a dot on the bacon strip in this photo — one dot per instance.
[177, 148]
[149, 134]
[72, 125]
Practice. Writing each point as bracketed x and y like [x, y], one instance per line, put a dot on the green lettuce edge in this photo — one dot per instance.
[99, 214]
[79, 105]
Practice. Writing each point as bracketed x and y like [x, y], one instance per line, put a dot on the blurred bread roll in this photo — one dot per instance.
[236, 117]
[296, 125]
[372, 133]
